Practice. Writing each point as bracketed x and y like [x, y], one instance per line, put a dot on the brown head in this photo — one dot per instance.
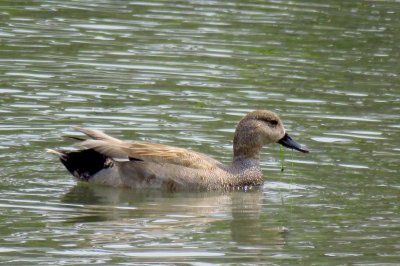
[258, 128]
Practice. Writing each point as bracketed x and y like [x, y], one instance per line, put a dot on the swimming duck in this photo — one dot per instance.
[135, 164]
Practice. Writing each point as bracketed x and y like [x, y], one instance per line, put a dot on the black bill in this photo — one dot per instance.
[288, 142]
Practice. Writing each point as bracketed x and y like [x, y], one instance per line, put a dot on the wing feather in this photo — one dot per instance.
[104, 147]
[95, 134]
[145, 151]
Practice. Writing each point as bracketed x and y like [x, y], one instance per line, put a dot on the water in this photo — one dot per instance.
[183, 73]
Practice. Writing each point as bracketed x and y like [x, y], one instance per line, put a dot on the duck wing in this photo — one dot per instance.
[145, 151]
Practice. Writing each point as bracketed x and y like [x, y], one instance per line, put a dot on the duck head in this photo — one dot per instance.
[258, 128]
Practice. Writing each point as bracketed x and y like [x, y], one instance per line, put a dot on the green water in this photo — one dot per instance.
[183, 73]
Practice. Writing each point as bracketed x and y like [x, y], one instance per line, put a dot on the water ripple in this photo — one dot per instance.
[184, 73]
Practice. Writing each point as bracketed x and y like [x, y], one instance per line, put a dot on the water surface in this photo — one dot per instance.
[183, 73]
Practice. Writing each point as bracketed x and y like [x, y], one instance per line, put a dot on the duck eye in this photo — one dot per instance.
[271, 122]
[274, 122]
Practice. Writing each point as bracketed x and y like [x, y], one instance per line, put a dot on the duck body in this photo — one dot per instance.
[141, 174]
[134, 164]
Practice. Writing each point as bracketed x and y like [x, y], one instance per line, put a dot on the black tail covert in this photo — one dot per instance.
[85, 163]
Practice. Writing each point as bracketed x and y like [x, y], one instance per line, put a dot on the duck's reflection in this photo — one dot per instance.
[250, 224]
[234, 214]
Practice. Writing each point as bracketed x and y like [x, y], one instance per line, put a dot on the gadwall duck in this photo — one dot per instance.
[135, 164]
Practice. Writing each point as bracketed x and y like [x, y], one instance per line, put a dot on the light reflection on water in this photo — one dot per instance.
[141, 223]
[184, 74]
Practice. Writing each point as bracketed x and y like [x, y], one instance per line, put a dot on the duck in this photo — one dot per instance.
[103, 159]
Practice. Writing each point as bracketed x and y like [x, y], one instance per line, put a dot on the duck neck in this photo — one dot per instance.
[246, 151]
[246, 167]
[247, 142]
[246, 154]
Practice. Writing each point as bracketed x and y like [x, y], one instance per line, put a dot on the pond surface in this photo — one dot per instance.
[183, 73]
